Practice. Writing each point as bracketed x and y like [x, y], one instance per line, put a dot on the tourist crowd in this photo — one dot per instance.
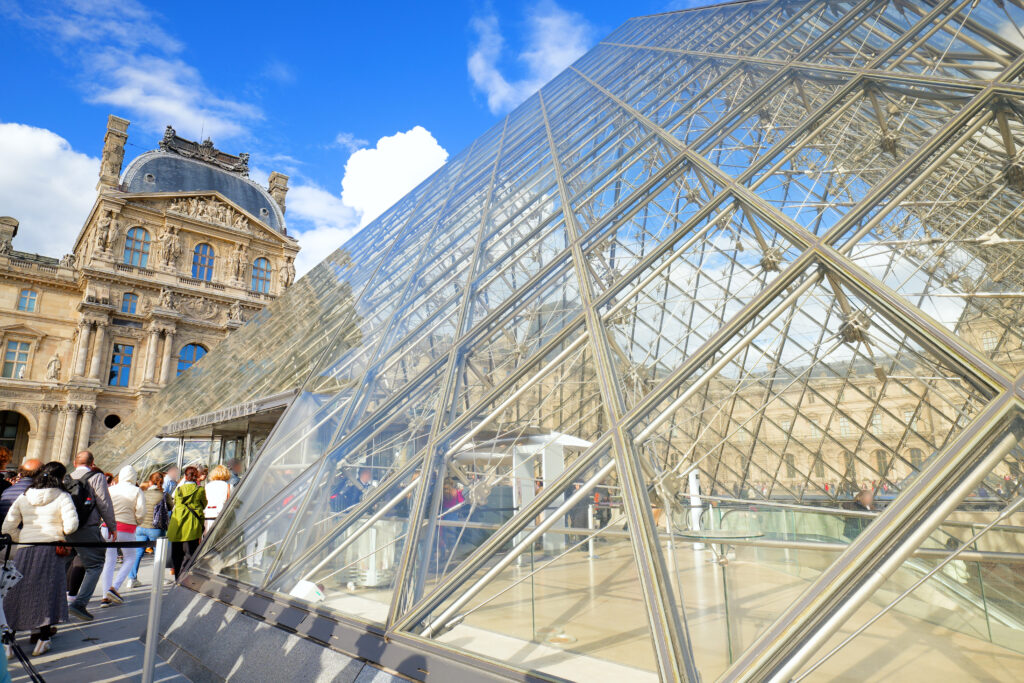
[87, 508]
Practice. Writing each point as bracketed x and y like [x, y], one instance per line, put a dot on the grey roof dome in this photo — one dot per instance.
[160, 171]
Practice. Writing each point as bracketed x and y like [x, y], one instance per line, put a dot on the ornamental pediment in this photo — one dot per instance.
[21, 330]
[214, 209]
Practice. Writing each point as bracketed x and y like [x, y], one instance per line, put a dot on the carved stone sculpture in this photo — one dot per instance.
[170, 247]
[103, 232]
[68, 260]
[166, 298]
[237, 262]
[53, 368]
[235, 313]
[288, 272]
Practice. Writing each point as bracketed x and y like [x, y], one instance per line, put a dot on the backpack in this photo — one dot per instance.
[160, 515]
[81, 495]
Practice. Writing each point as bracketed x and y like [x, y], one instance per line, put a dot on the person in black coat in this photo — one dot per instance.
[26, 472]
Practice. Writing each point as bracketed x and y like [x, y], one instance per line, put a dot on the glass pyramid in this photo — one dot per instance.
[596, 399]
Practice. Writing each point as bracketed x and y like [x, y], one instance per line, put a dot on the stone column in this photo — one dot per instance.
[151, 349]
[84, 332]
[68, 439]
[88, 412]
[100, 353]
[165, 368]
[45, 415]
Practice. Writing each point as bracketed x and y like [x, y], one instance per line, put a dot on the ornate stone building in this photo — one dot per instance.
[178, 251]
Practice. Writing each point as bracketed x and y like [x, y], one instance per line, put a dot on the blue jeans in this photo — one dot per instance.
[92, 560]
[144, 535]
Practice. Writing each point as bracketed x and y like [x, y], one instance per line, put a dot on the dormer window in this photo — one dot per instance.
[264, 212]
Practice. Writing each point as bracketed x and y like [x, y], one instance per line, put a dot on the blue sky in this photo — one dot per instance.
[357, 102]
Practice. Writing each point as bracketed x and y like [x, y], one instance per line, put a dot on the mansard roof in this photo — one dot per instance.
[182, 165]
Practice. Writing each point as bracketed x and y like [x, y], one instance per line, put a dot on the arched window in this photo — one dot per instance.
[136, 248]
[882, 462]
[989, 340]
[27, 300]
[190, 353]
[261, 275]
[916, 458]
[202, 262]
[129, 302]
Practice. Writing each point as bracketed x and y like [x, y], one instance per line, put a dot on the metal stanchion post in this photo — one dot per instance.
[590, 526]
[155, 598]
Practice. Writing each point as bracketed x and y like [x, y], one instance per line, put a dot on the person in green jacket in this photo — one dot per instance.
[185, 528]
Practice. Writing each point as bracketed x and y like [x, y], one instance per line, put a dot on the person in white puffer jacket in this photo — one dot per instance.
[45, 513]
[129, 510]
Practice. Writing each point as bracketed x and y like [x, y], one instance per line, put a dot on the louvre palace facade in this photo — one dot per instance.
[594, 400]
[177, 251]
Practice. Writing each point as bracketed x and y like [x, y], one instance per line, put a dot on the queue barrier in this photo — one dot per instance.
[159, 560]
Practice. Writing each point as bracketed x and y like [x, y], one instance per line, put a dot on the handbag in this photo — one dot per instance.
[62, 550]
[9, 574]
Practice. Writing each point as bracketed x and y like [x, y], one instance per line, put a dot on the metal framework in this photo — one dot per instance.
[733, 266]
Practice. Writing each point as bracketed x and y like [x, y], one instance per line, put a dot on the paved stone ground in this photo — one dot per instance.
[106, 649]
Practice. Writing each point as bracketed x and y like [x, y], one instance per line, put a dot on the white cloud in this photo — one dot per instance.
[349, 142]
[159, 91]
[278, 71]
[556, 38]
[128, 61]
[46, 185]
[375, 178]
[320, 221]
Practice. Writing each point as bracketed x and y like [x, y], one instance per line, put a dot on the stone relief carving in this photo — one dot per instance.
[5, 247]
[211, 211]
[204, 151]
[235, 313]
[113, 155]
[166, 299]
[198, 307]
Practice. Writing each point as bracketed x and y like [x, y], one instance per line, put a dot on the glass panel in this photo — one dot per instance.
[850, 148]
[775, 444]
[956, 617]
[349, 563]
[567, 601]
[958, 260]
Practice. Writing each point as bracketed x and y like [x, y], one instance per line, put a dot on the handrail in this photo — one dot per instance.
[784, 544]
[828, 510]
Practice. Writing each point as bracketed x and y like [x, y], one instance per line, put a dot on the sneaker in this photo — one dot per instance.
[80, 613]
[105, 603]
[42, 647]
[114, 597]
[9, 650]
[134, 583]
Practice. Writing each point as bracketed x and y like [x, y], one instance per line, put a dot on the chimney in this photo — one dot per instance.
[113, 152]
[8, 229]
[278, 187]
